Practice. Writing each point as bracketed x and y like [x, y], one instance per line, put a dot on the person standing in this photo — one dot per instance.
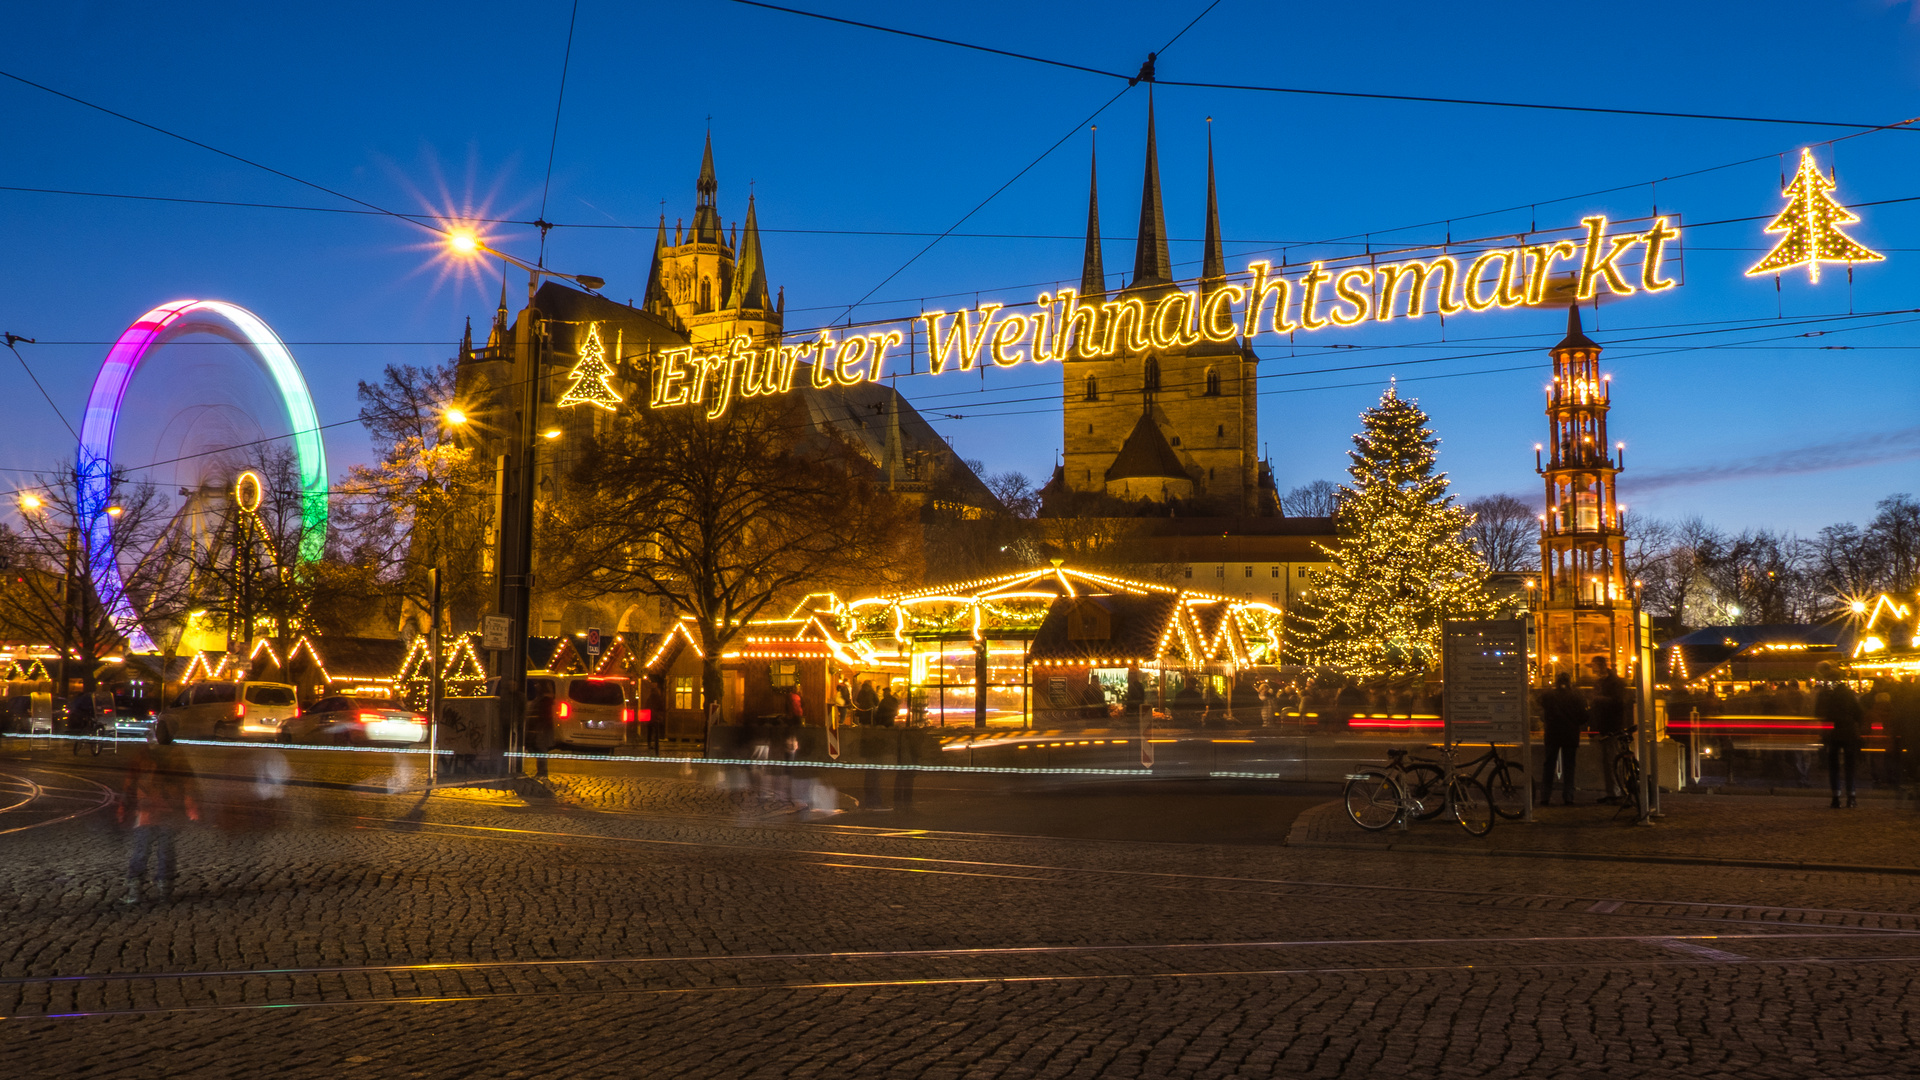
[156, 800]
[1838, 708]
[866, 701]
[1563, 716]
[842, 702]
[540, 728]
[887, 712]
[1608, 712]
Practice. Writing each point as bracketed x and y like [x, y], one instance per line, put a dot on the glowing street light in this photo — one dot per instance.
[115, 511]
[463, 242]
[456, 417]
[30, 501]
[552, 433]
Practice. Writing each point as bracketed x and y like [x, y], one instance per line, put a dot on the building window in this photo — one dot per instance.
[1150, 379]
[1093, 389]
[685, 694]
[1175, 441]
[1089, 429]
[1303, 572]
[784, 673]
[706, 294]
[1189, 571]
[1249, 571]
[1220, 430]
[1213, 383]
[1276, 598]
[1276, 571]
[1221, 572]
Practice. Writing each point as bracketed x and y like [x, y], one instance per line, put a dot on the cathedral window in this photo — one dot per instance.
[1175, 441]
[706, 294]
[1213, 383]
[1150, 378]
[1220, 430]
[1093, 389]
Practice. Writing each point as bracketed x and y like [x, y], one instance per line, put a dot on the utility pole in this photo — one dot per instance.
[513, 561]
[435, 686]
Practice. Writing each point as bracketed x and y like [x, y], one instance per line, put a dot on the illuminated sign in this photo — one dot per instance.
[1811, 222]
[1063, 326]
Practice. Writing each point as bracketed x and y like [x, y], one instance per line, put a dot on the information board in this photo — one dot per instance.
[1485, 667]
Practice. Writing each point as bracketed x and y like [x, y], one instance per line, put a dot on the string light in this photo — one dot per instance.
[1811, 222]
[590, 377]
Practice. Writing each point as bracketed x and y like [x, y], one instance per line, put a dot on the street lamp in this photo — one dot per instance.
[456, 417]
[30, 501]
[513, 552]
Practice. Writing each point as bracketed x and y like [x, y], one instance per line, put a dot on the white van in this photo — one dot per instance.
[588, 712]
[231, 710]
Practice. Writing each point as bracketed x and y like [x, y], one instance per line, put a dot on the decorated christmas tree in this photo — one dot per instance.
[589, 376]
[1812, 223]
[1402, 565]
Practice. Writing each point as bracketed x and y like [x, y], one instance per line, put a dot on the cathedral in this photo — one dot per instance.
[706, 283]
[1167, 431]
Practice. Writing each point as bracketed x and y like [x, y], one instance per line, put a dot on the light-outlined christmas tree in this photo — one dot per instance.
[1812, 223]
[1402, 566]
[589, 376]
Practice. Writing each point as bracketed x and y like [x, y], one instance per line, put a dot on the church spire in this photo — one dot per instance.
[1152, 265]
[655, 300]
[1093, 274]
[1213, 264]
[749, 274]
[498, 336]
[706, 214]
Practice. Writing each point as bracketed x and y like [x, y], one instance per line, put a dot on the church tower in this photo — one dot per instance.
[1165, 425]
[1583, 605]
[707, 284]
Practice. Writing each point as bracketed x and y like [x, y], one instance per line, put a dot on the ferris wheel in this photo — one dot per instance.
[186, 399]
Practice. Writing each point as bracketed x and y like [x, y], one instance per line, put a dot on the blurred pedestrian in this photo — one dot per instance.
[156, 801]
[1838, 708]
[1563, 716]
[887, 711]
[865, 702]
[1608, 714]
[540, 728]
[842, 702]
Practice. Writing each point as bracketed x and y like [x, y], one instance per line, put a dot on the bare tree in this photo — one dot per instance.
[726, 519]
[1317, 499]
[1505, 531]
[424, 505]
[94, 564]
[1895, 530]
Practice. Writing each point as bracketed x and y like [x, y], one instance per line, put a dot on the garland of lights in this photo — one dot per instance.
[1811, 222]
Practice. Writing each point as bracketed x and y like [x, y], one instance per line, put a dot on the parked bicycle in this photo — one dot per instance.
[1503, 780]
[1379, 798]
[1626, 772]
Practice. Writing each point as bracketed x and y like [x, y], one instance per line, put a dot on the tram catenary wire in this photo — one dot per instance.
[1325, 93]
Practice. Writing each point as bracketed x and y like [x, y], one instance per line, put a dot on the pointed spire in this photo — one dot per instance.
[1093, 273]
[498, 335]
[706, 214]
[1152, 265]
[655, 299]
[466, 339]
[1213, 264]
[707, 186]
[749, 273]
[1576, 337]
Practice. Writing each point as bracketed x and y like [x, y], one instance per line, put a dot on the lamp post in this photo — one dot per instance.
[513, 543]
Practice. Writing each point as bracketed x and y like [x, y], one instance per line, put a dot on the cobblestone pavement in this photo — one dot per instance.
[334, 923]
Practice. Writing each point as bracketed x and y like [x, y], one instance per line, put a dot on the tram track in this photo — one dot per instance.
[1298, 889]
[246, 987]
[101, 795]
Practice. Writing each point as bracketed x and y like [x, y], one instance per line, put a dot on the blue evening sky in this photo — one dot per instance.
[450, 107]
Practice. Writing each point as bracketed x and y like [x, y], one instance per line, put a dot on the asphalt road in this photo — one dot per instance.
[675, 921]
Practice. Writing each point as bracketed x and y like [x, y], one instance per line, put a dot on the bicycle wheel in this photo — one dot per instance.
[1373, 800]
[1427, 785]
[1626, 773]
[1472, 806]
[1509, 791]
